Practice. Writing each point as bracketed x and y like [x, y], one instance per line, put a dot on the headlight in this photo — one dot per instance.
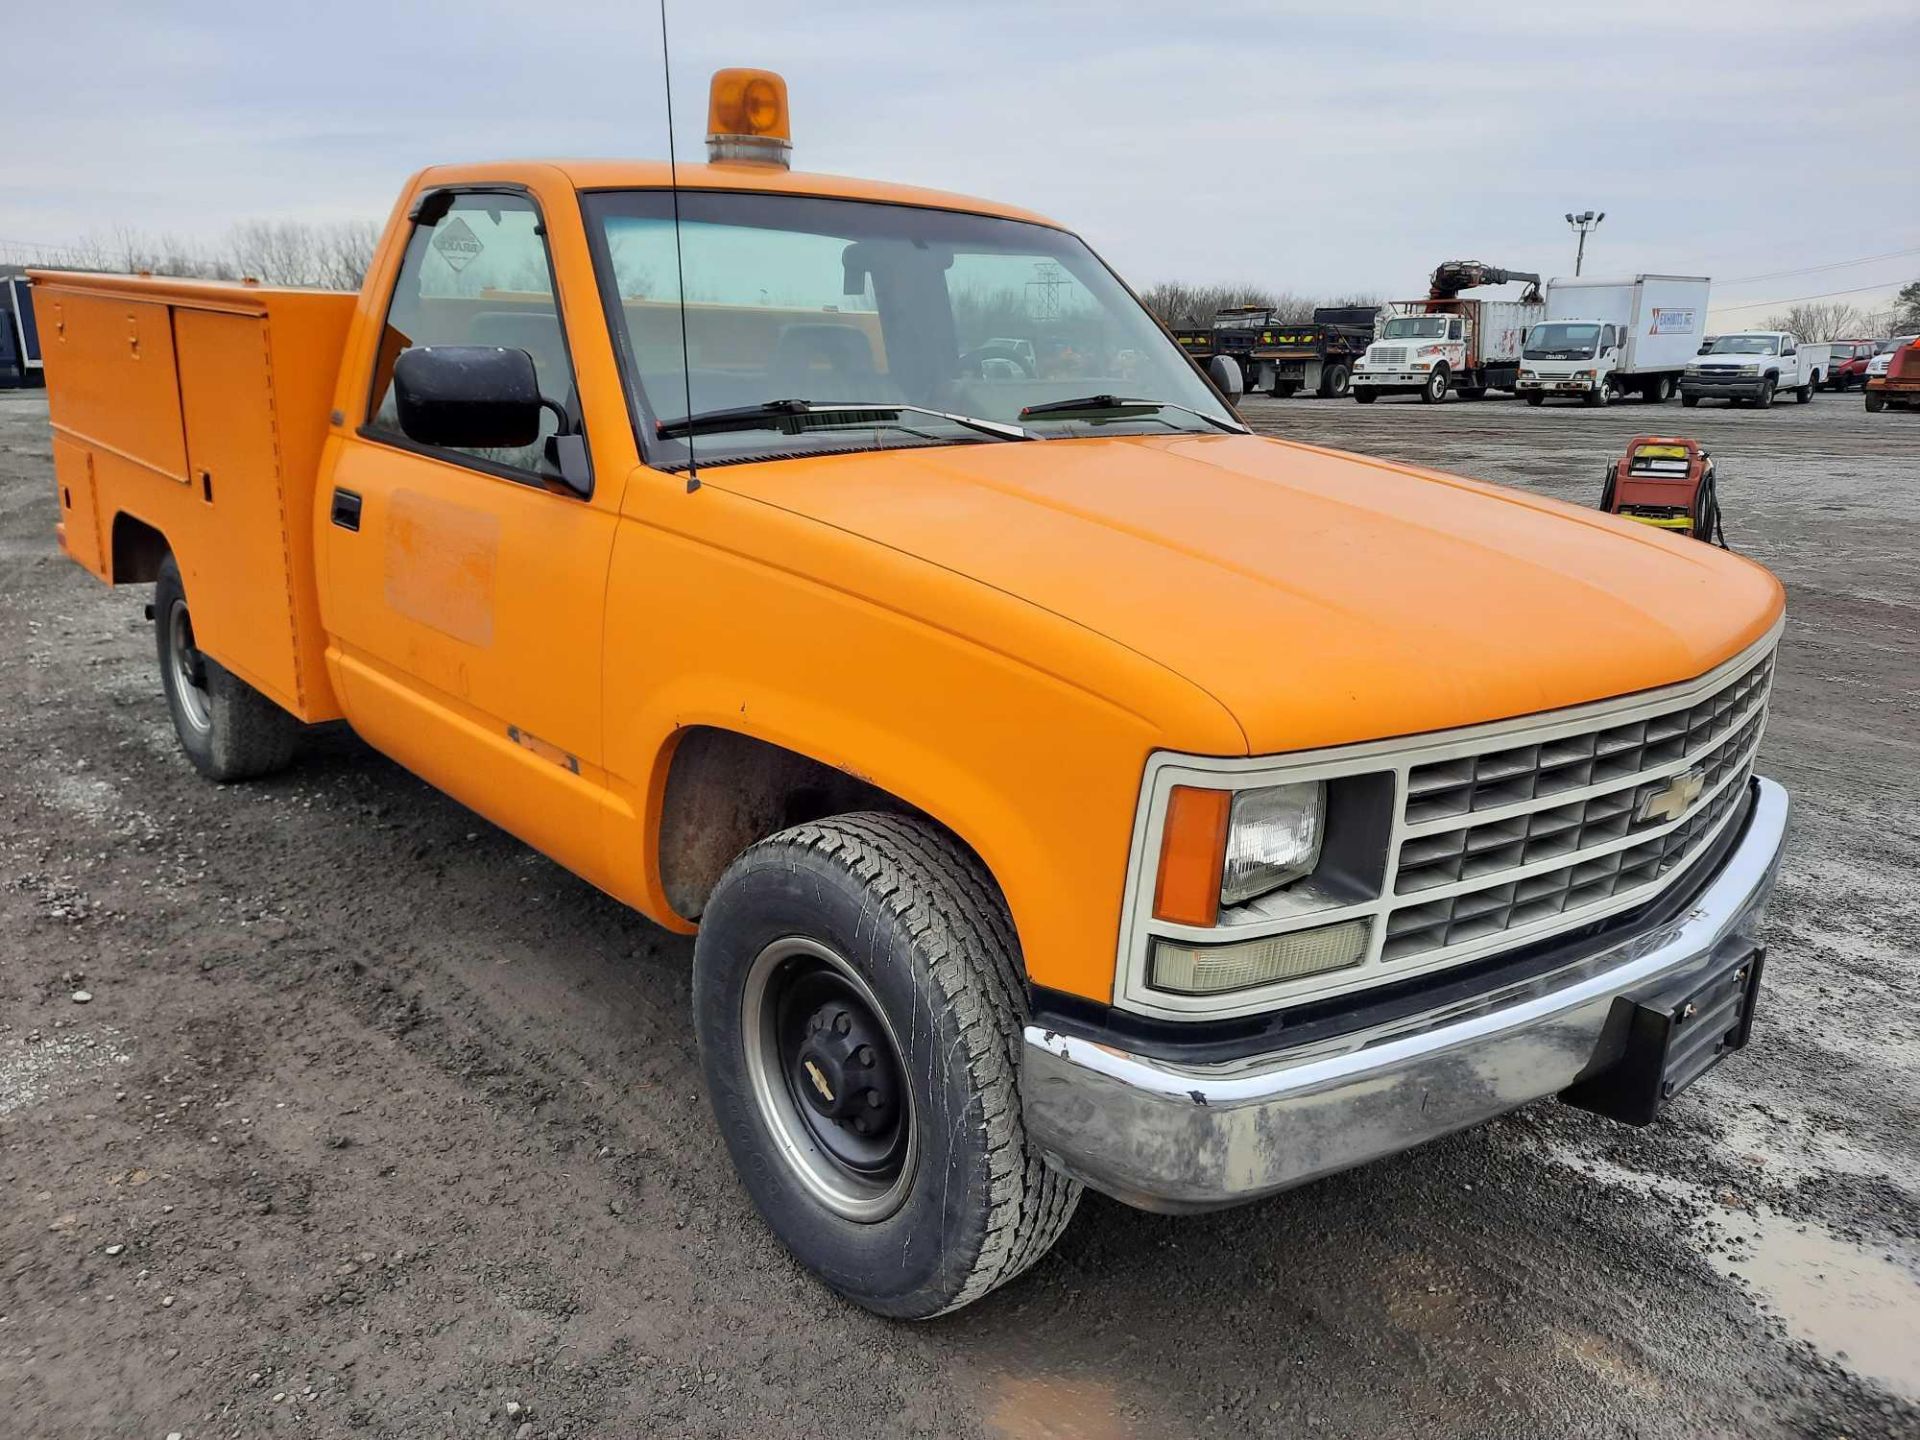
[1692, 370]
[1749, 369]
[1583, 375]
[1526, 375]
[1273, 838]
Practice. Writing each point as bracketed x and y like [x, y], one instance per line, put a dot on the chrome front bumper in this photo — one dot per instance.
[1173, 1137]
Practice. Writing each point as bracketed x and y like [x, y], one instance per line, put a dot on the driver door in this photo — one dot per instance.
[466, 588]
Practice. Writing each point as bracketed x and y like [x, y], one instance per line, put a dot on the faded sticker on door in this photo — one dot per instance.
[440, 565]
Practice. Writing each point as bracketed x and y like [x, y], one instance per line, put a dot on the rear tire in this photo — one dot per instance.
[229, 730]
[1335, 380]
[1803, 394]
[877, 935]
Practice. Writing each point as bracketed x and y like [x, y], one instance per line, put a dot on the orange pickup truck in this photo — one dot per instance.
[1067, 786]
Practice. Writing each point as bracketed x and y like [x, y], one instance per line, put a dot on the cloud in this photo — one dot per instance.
[1306, 147]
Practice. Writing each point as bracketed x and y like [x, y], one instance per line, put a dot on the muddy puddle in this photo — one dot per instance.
[1852, 1302]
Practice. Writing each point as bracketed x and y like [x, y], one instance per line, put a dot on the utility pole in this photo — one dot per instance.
[1584, 223]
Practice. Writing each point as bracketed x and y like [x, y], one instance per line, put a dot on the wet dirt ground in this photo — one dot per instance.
[378, 1123]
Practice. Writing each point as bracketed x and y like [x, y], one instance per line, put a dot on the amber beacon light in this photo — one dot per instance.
[747, 120]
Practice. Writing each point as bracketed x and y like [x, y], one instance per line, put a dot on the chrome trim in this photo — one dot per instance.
[1176, 1137]
[1399, 757]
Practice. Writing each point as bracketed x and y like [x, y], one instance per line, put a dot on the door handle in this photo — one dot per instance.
[346, 509]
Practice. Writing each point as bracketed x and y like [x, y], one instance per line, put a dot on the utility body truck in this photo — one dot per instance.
[1602, 338]
[1750, 367]
[1065, 786]
[1428, 347]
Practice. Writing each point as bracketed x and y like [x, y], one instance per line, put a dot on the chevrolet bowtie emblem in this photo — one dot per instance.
[819, 1081]
[1672, 800]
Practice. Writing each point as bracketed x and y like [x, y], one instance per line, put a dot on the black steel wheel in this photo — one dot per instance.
[860, 1008]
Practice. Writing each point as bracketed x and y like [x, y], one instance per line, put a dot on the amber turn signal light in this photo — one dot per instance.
[1193, 848]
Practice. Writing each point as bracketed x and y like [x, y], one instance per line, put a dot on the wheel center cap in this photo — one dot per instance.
[844, 1068]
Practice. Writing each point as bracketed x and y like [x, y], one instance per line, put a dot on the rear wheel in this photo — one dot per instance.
[1658, 390]
[1435, 388]
[229, 730]
[1335, 380]
[1803, 394]
[860, 1010]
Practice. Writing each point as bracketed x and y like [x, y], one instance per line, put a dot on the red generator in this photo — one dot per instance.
[1665, 480]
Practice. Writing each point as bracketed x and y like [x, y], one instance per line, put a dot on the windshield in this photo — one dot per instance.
[1887, 346]
[1416, 327]
[1561, 342]
[1746, 345]
[802, 298]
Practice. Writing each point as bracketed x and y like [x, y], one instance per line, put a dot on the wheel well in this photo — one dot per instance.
[725, 791]
[138, 549]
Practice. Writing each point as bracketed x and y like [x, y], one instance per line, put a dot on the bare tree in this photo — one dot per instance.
[1818, 322]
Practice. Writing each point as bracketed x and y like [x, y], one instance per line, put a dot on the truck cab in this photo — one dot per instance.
[1574, 358]
[1750, 367]
[1064, 785]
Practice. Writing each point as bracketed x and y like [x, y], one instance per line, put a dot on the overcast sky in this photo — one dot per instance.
[1316, 147]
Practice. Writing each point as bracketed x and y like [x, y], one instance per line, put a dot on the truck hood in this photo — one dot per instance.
[1322, 598]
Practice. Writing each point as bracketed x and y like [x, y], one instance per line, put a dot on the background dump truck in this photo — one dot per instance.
[1284, 357]
[889, 632]
[1604, 338]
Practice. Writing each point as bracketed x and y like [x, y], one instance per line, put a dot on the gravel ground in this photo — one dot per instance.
[378, 1123]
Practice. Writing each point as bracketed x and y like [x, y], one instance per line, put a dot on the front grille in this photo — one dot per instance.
[1388, 355]
[1524, 834]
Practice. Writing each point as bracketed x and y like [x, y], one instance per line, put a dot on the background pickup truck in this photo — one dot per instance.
[1751, 367]
[1067, 786]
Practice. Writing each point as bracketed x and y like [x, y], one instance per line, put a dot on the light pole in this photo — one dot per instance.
[1584, 222]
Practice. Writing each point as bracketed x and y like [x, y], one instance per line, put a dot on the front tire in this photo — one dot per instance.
[1600, 394]
[1690, 401]
[1876, 402]
[229, 730]
[1764, 400]
[1364, 396]
[860, 1010]
[1435, 388]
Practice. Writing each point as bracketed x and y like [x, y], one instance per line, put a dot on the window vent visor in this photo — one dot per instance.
[1189, 969]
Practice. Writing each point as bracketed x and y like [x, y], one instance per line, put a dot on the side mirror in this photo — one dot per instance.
[467, 397]
[1226, 375]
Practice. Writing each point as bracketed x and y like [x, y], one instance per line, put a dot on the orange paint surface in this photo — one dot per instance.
[999, 634]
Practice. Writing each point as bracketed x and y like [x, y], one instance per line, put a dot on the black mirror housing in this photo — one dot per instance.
[467, 397]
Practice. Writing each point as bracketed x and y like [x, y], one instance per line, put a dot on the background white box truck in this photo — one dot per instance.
[1602, 338]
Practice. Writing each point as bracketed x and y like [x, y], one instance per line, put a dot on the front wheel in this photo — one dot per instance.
[860, 1011]
[1364, 396]
[1765, 398]
[1435, 389]
[1536, 398]
[1600, 394]
[1690, 401]
[1876, 402]
[229, 730]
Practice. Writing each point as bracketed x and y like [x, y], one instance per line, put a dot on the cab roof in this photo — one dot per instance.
[764, 179]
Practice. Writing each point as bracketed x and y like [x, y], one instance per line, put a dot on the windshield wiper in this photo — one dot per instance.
[792, 415]
[1121, 405]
